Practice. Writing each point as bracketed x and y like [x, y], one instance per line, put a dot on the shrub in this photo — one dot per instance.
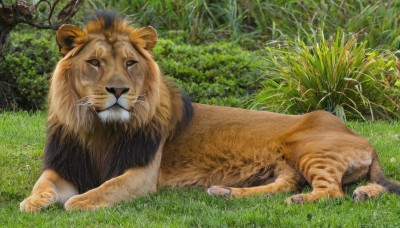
[217, 73]
[338, 75]
[25, 70]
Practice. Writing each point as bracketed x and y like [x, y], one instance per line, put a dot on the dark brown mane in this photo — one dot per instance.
[104, 20]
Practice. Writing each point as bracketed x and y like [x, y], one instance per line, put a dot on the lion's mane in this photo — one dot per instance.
[83, 149]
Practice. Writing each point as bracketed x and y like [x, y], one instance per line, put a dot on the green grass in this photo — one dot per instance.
[22, 138]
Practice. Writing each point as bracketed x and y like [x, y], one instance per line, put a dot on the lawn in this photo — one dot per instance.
[22, 138]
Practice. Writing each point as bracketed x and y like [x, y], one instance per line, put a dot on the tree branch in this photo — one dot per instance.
[40, 25]
[52, 10]
[24, 12]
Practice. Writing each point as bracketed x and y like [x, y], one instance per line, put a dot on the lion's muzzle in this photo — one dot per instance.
[117, 106]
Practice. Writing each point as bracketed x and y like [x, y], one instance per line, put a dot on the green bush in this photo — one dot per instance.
[339, 75]
[25, 70]
[216, 73]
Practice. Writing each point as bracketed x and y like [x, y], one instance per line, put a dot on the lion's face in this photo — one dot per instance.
[110, 70]
[110, 77]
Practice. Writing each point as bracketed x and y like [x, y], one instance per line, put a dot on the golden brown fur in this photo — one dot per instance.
[125, 129]
[230, 147]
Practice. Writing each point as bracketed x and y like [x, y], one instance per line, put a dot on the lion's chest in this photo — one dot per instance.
[89, 165]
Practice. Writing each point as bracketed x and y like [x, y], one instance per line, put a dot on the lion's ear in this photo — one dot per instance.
[148, 37]
[69, 36]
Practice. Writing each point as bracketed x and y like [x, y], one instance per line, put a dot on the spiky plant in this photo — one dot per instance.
[339, 75]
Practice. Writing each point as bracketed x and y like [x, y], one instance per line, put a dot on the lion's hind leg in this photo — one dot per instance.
[324, 173]
[287, 179]
[371, 190]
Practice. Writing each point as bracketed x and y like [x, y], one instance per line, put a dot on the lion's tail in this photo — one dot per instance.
[377, 176]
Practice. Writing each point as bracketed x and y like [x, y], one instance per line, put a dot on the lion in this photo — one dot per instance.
[118, 129]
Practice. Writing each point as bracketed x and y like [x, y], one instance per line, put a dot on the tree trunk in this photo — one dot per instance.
[4, 34]
[7, 23]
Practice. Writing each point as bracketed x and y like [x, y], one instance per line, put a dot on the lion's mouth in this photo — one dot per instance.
[114, 107]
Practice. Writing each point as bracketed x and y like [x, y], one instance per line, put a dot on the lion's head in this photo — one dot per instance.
[108, 76]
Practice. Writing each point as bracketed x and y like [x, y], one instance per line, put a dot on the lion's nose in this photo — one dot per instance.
[117, 92]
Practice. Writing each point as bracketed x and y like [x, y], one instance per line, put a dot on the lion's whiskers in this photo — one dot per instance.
[85, 101]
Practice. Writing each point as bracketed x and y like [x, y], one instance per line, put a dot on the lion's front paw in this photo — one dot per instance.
[85, 202]
[36, 202]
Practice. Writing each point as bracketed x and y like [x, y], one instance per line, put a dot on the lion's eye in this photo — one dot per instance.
[94, 62]
[130, 63]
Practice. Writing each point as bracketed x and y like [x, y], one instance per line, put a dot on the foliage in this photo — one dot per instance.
[22, 138]
[218, 73]
[25, 69]
[339, 75]
[224, 74]
[379, 21]
[254, 22]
